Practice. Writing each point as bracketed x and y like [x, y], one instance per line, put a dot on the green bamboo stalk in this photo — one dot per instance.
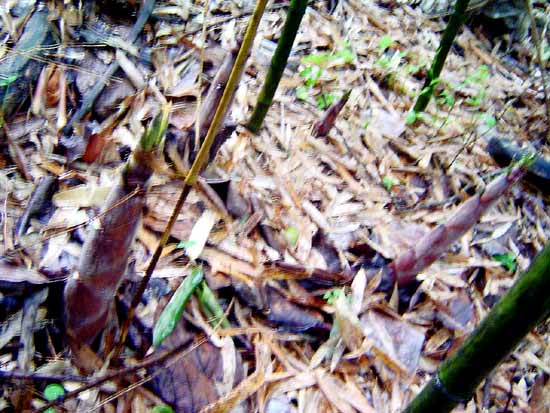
[294, 16]
[525, 305]
[455, 22]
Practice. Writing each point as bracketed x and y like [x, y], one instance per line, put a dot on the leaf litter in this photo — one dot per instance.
[293, 226]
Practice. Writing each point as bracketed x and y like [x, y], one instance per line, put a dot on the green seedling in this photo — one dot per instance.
[162, 408]
[314, 64]
[411, 117]
[53, 392]
[478, 77]
[384, 43]
[488, 119]
[508, 261]
[291, 235]
[325, 100]
[447, 98]
[332, 295]
[388, 183]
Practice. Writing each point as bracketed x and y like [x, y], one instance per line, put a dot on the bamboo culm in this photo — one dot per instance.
[294, 17]
[524, 306]
[455, 22]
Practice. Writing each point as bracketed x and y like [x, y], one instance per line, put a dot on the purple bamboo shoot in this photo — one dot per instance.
[324, 125]
[89, 293]
[406, 266]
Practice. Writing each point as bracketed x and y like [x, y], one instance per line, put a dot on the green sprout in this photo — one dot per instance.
[332, 295]
[162, 408]
[53, 392]
[508, 261]
[314, 64]
[325, 100]
[291, 235]
[384, 43]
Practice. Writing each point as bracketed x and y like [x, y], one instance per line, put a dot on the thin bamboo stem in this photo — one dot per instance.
[455, 22]
[294, 17]
[524, 306]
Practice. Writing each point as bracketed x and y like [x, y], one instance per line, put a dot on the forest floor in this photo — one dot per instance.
[290, 228]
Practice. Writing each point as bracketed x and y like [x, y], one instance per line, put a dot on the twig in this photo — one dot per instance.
[153, 360]
[16, 376]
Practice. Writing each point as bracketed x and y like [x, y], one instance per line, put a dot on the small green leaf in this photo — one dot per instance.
[475, 101]
[411, 117]
[316, 72]
[483, 72]
[508, 261]
[332, 295]
[8, 80]
[211, 306]
[186, 244]
[325, 100]
[317, 58]
[447, 98]
[291, 235]
[306, 73]
[174, 309]
[162, 408]
[478, 76]
[488, 119]
[385, 42]
[53, 392]
[346, 53]
[388, 182]
[412, 68]
[383, 62]
[301, 93]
